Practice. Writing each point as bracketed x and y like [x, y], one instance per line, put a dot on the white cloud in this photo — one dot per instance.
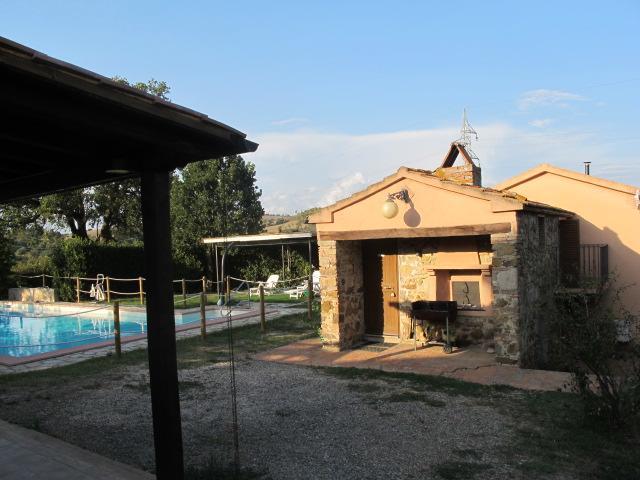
[543, 97]
[289, 121]
[541, 122]
[343, 187]
[303, 169]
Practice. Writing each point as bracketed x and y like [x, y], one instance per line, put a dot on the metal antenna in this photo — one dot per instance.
[467, 134]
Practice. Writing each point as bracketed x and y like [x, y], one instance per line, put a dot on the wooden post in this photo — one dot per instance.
[203, 319]
[204, 285]
[310, 298]
[116, 327]
[140, 286]
[161, 328]
[228, 290]
[184, 292]
[263, 321]
[108, 290]
[44, 281]
[78, 289]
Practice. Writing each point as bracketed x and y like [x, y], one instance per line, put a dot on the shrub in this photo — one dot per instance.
[605, 373]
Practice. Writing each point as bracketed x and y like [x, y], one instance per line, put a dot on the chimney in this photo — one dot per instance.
[466, 174]
[587, 168]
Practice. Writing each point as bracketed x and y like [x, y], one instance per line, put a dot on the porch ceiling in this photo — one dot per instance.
[65, 127]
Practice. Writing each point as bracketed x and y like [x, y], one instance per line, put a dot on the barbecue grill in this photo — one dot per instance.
[435, 315]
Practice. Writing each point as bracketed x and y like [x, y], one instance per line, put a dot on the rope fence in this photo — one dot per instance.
[226, 301]
[295, 287]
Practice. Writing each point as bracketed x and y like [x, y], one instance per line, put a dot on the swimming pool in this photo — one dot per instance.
[32, 329]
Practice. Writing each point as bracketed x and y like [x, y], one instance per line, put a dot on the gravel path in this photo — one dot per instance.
[295, 422]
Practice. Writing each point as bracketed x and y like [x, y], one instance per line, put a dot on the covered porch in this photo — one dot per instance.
[494, 253]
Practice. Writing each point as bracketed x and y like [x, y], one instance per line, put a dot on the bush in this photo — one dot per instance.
[76, 257]
[605, 373]
[256, 265]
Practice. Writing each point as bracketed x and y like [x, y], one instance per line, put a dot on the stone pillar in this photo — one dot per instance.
[342, 293]
[506, 305]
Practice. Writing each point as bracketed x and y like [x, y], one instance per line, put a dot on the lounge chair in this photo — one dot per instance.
[300, 290]
[269, 286]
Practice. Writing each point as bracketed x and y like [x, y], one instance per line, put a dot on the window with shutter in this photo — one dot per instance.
[569, 233]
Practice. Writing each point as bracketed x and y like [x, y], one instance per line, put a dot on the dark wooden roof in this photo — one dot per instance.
[64, 127]
[452, 154]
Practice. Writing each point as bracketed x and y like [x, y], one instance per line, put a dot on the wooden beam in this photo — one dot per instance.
[161, 337]
[458, 231]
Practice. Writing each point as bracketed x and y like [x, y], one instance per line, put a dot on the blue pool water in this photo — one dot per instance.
[33, 329]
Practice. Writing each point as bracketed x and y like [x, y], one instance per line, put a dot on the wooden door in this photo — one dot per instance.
[381, 304]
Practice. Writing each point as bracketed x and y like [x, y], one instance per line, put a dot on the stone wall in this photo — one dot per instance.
[525, 273]
[463, 174]
[341, 284]
[417, 280]
[504, 280]
[415, 256]
[537, 278]
[33, 295]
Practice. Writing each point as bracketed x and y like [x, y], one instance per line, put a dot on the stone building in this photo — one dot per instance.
[439, 235]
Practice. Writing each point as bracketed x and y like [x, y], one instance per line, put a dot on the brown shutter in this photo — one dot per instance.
[569, 232]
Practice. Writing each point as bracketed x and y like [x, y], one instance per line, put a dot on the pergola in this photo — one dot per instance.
[260, 240]
[63, 127]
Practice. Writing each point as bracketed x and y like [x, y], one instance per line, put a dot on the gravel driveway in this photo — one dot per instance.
[294, 422]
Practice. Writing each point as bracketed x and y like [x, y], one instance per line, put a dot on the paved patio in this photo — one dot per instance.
[468, 364]
[27, 454]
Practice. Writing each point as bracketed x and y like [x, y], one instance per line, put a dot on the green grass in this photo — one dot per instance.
[447, 385]
[191, 352]
[550, 434]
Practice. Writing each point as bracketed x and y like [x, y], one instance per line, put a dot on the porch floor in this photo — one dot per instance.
[469, 364]
[28, 454]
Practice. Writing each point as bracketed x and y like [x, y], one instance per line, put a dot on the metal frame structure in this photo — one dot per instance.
[257, 241]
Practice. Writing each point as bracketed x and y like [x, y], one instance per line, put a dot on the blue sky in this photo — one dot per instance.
[340, 94]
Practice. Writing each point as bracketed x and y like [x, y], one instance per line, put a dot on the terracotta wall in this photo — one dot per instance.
[430, 207]
[608, 214]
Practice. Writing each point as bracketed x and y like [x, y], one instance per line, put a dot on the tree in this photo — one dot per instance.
[587, 324]
[117, 208]
[70, 210]
[213, 198]
[152, 87]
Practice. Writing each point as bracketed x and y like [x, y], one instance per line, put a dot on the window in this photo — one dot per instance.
[541, 232]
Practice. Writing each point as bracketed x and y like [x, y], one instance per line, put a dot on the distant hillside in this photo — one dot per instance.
[289, 223]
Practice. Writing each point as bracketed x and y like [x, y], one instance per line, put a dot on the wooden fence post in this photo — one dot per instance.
[44, 281]
[184, 292]
[141, 291]
[263, 321]
[228, 290]
[203, 319]
[108, 290]
[204, 285]
[116, 327]
[78, 289]
[310, 298]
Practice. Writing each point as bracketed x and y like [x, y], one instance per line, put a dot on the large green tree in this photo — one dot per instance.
[213, 198]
